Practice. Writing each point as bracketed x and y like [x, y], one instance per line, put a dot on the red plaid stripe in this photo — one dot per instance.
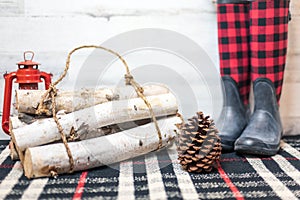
[233, 37]
[253, 42]
[269, 32]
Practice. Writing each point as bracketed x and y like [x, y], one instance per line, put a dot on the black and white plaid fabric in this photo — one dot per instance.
[159, 176]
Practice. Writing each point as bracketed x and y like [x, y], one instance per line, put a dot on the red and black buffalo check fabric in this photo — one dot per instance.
[159, 176]
[253, 42]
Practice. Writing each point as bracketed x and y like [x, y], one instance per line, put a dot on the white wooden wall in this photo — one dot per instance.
[290, 107]
[52, 28]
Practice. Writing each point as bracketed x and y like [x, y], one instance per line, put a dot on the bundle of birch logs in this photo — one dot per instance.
[64, 131]
[103, 126]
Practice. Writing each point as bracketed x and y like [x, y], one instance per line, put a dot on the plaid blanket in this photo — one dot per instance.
[159, 176]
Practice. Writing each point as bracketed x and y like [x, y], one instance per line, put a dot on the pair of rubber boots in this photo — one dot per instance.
[259, 133]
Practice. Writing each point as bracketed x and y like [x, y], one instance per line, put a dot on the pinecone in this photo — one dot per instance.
[198, 145]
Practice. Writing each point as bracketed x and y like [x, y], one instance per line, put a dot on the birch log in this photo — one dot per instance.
[14, 123]
[27, 101]
[13, 151]
[40, 161]
[17, 154]
[88, 120]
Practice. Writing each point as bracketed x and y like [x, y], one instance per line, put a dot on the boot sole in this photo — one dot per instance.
[227, 148]
[244, 149]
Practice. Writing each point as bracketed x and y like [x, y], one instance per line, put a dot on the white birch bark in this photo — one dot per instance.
[27, 101]
[89, 120]
[39, 161]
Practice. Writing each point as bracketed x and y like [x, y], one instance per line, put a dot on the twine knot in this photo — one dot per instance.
[128, 79]
[53, 89]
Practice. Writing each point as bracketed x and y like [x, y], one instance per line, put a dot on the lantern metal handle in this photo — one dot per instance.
[28, 52]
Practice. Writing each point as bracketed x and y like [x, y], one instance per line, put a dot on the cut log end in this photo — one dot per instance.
[19, 152]
[13, 152]
[28, 166]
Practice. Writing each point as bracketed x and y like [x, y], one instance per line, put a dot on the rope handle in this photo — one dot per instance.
[52, 91]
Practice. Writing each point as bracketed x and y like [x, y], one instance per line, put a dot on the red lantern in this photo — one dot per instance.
[27, 76]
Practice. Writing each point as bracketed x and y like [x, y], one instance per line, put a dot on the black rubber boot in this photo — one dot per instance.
[263, 134]
[233, 118]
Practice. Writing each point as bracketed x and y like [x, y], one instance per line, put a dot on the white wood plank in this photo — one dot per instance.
[294, 40]
[291, 125]
[289, 102]
[107, 8]
[11, 7]
[295, 7]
